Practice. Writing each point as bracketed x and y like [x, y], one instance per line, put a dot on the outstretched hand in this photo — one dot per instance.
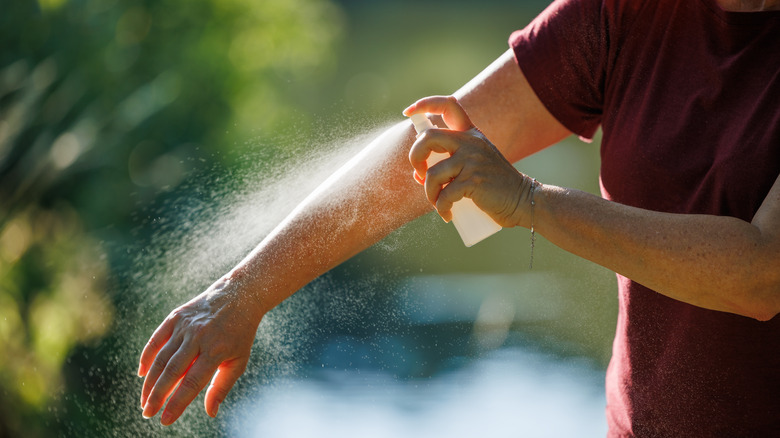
[210, 336]
[475, 169]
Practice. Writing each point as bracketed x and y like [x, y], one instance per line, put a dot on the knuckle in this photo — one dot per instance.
[451, 194]
[200, 330]
[173, 369]
[433, 172]
[242, 364]
[175, 315]
[475, 177]
[153, 344]
[158, 365]
[214, 352]
[200, 335]
[190, 384]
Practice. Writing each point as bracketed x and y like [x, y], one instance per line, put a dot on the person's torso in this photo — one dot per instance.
[691, 125]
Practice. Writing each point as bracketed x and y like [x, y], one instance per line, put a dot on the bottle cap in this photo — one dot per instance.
[421, 123]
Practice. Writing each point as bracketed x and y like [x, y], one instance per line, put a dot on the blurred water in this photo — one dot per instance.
[510, 392]
[452, 358]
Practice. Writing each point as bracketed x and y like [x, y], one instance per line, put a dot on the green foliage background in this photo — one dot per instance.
[106, 106]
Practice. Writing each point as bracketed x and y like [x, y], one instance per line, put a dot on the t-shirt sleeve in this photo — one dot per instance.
[563, 54]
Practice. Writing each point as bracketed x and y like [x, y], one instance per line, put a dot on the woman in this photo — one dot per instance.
[686, 92]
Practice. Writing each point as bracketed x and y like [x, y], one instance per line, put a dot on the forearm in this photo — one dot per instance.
[715, 262]
[376, 193]
[357, 206]
[209, 338]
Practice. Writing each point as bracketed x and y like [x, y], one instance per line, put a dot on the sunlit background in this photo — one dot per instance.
[146, 146]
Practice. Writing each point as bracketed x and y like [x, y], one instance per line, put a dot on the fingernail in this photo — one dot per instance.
[167, 418]
[408, 108]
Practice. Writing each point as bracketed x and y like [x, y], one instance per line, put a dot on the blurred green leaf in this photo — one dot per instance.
[106, 105]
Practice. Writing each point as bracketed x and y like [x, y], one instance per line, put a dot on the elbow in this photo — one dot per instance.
[763, 315]
[752, 308]
[760, 287]
[750, 295]
[763, 302]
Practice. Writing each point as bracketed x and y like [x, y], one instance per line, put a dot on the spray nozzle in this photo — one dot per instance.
[421, 123]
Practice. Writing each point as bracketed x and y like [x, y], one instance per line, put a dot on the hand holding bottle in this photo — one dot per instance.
[475, 168]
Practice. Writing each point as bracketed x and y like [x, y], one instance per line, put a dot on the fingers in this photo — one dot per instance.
[172, 371]
[432, 147]
[453, 114]
[226, 376]
[157, 367]
[185, 351]
[435, 146]
[194, 380]
[436, 140]
[440, 176]
[156, 342]
[451, 194]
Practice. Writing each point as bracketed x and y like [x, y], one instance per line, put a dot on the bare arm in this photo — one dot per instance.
[504, 106]
[212, 334]
[715, 262]
[501, 102]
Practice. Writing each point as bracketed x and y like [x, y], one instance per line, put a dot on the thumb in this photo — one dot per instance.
[226, 376]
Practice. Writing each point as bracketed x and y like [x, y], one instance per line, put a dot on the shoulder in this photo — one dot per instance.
[605, 15]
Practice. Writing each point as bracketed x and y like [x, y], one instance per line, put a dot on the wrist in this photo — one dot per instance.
[246, 290]
[533, 230]
[527, 198]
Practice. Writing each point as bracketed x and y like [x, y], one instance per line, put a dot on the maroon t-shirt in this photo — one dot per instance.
[688, 97]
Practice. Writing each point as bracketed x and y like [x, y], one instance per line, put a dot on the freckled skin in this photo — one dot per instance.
[210, 337]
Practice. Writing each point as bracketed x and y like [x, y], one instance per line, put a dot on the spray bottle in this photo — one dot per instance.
[472, 223]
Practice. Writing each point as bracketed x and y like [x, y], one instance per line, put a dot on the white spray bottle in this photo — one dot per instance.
[472, 223]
